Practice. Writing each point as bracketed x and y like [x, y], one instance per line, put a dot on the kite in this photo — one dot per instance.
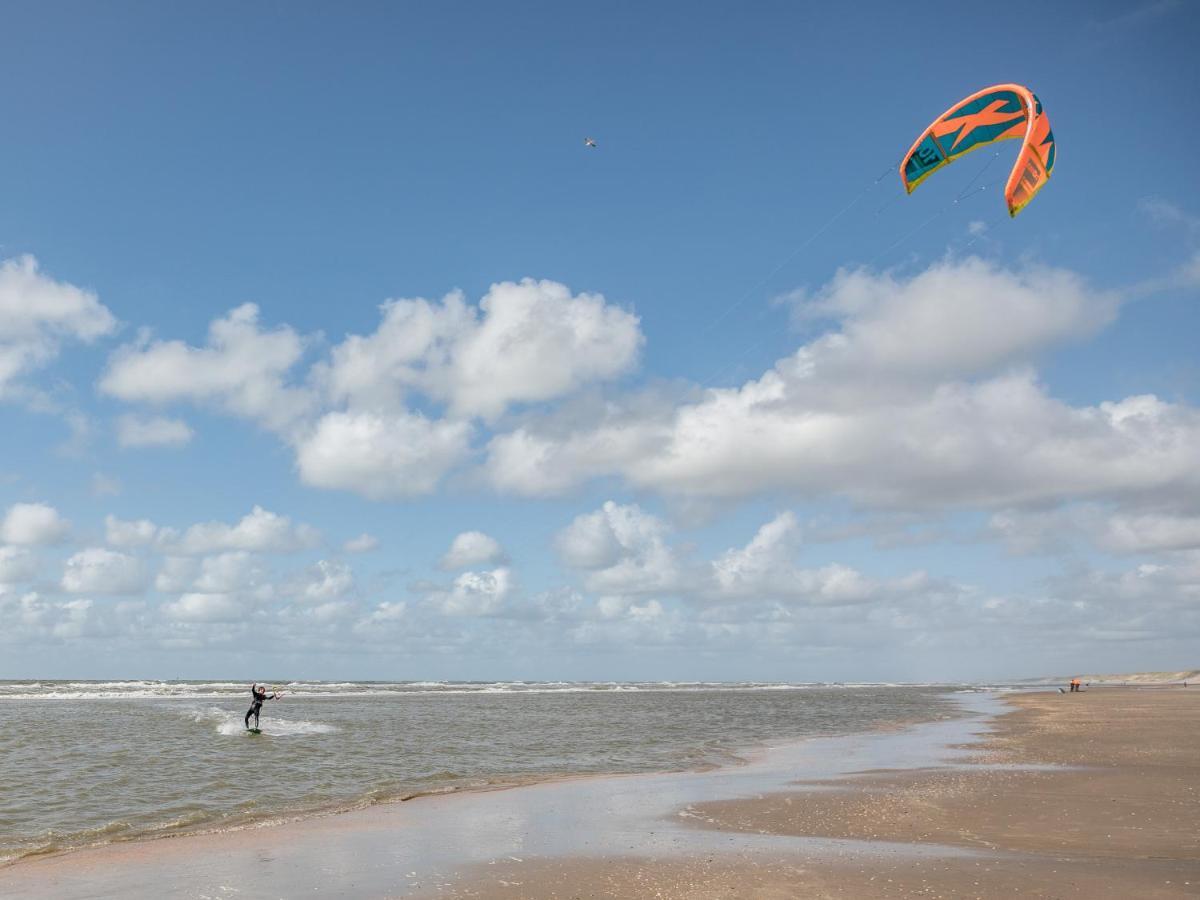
[997, 113]
[589, 142]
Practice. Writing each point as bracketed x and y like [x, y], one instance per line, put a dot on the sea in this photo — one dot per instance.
[92, 762]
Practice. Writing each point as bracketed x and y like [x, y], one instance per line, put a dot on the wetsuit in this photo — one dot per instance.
[255, 705]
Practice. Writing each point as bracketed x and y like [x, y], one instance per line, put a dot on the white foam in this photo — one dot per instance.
[231, 723]
[228, 690]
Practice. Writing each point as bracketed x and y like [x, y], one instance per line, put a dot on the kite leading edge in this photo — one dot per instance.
[997, 113]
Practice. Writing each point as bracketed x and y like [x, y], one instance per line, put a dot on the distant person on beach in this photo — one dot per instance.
[259, 695]
[1074, 685]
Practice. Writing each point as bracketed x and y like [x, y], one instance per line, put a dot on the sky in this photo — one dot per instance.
[328, 349]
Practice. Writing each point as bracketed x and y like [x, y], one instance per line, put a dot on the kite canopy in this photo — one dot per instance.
[994, 114]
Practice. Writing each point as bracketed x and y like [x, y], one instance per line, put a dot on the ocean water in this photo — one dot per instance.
[91, 762]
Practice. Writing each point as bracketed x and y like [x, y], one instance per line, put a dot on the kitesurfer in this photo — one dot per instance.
[259, 695]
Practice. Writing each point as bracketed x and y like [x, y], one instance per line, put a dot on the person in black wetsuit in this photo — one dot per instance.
[259, 695]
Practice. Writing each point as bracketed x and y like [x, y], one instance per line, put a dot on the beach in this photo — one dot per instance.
[1041, 794]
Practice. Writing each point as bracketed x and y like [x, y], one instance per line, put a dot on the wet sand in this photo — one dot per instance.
[1092, 795]
[862, 816]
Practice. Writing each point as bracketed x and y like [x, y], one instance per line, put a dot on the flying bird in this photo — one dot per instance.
[589, 142]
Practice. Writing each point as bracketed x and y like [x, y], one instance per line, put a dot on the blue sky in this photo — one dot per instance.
[756, 414]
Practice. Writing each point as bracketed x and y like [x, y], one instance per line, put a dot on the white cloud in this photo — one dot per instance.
[1104, 528]
[126, 534]
[364, 543]
[381, 620]
[176, 574]
[621, 549]
[242, 369]
[331, 612]
[95, 570]
[954, 319]
[1002, 441]
[16, 565]
[326, 581]
[196, 607]
[37, 314]
[235, 572]
[883, 410]
[381, 456]
[763, 565]
[152, 431]
[33, 618]
[622, 552]
[352, 427]
[411, 349]
[260, 531]
[554, 455]
[472, 548]
[1148, 532]
[536, 341]
[528, 342]
[475, 594]
[33, 524]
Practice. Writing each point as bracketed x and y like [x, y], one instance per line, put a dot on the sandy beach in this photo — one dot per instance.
[1040, 795]
[1095, 794]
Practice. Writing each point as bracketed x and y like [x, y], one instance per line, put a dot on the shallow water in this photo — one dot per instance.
[88, 762]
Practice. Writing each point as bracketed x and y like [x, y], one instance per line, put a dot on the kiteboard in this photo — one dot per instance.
[254, 730]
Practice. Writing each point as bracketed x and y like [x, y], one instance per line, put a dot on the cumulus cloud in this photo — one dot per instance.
[39, 314]
[381, 456]
[475, 594]
[205, 608]
[16, 565]
[32, 524]
[326, 581]
[383, 619]
[535, 342]
[260, 531]
[364, 543]
[152, 431]
[472, 548]
[1150, 532]
[554, 454]
[1001, 441]
[765, 564]
[33, 618]
[176, 574]
[912, 402]
[235, 572]
[621, 549]
[527, 342]
[243, 369]
[353, 422]
[1105, 528]
[954, 319]
[126, 534]
[623, 552]
[96, 570]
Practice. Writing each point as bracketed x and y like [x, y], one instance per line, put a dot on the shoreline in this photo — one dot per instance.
[1096, 799]
[375, 798]
[994, 803]
[759, 766]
